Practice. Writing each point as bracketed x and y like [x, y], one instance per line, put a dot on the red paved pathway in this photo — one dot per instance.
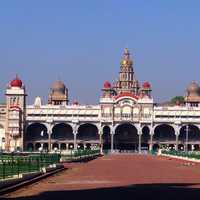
[119, 177]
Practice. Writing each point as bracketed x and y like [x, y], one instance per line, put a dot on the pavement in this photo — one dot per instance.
[118, 177]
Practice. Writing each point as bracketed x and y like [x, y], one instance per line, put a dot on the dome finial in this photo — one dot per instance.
[126, 51]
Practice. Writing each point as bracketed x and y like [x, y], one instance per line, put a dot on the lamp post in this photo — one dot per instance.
[186, 138]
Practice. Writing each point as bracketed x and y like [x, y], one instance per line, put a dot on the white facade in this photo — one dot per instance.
[126, 118]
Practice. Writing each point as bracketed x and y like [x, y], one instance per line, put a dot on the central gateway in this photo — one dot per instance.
[124, 105]
[126, 137]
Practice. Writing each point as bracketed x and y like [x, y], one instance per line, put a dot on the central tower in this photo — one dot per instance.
[127, 81]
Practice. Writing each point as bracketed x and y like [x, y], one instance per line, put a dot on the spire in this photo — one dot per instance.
[126, 60]
[126, 53]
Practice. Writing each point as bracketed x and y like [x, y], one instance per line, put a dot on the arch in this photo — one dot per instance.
[171, 147]
[196, 147]
[30, 147]
[156, 147]
[87, 132]
[36, 131]
[164, 133]
[88, 146]
[71, 146]
[193, 133]
[80, 146]
[126, 137]
[37, 146]
[55, 146]
[145, 138]
[106, 138]
[45, 146]
[62, 131]
[63, 146]
[180, 147]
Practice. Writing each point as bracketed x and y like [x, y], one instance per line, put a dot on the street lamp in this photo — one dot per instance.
[186, 138]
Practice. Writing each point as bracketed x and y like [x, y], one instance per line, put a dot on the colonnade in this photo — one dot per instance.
[76, 143]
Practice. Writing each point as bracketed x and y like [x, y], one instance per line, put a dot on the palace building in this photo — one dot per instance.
[126, 118]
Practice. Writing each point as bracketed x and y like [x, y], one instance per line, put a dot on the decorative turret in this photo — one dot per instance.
[16, 82]
[192, 97]
[58, 94]
[107, 89]
[16, 113]
[126, 81]
[145, 90]
[126, 60]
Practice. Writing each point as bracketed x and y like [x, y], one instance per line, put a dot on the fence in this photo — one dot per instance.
[195, 155]
[80, 154]
[12, 165]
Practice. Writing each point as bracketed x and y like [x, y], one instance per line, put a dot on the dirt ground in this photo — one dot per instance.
[119, 177]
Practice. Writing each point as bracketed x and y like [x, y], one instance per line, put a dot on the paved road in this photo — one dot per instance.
[119, 177]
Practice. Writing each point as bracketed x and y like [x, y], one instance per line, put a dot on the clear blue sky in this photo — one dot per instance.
[81, 43]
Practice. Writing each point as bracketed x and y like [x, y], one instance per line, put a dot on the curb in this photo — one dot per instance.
[181, 158]
[29, 181]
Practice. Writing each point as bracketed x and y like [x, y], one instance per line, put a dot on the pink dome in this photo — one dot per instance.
[146, 85]
[107, 84]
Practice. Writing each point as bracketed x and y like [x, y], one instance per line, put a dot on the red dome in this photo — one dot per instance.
[146, 85]
[107, 84]
[75, 102]
[16, 82]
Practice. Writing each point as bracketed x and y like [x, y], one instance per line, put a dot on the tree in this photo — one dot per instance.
[179, 99]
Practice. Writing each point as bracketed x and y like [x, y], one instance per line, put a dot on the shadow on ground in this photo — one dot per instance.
[138, 192]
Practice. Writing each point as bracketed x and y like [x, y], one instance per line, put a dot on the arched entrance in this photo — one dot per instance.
[145, 139]
[30, 147]
[80, 146]
[164, 136]
[106, 138]
[71, 146]
[38, 146]
[156, 147]
[62, 132]
[126, 137]
[88, 146]
[87, 133]
[63, 146]
[196, 147]
[193, 137]
[180, 147]
[36, 133]
[55, 146]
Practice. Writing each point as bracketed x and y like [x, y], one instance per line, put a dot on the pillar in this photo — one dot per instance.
[139, 147]
[75, 141]
[151, 141]
[112, 142]
[100, 142]
[49, 142]
[176, 148]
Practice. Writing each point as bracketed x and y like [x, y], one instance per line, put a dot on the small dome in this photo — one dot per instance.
[193, 88]
[107, 85]
[146, 85]
[16, 82]
[59, 87]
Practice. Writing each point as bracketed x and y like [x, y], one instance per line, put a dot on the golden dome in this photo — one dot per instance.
[126, 60]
